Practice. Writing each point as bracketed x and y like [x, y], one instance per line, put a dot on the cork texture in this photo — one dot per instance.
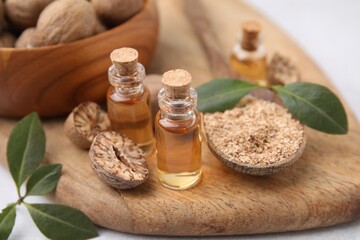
[251, 27]
[250, 30]
[177, 83]
[125, 60]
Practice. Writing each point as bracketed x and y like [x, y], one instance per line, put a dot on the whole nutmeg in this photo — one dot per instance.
[84, 123]
[24, 14]
[118, 161]
[65, 21]
[114, 12]
[28, 39]
[99, 27]
[7, 40]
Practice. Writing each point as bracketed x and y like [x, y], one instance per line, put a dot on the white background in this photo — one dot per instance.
[329, 31]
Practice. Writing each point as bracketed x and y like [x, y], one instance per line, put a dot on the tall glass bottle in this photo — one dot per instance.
[248, 56]
[177, 131]
[128, 100]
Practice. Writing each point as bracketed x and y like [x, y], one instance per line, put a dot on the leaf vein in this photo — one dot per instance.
[312, 105]
[23, 160]
[58, 220]
[229, 92]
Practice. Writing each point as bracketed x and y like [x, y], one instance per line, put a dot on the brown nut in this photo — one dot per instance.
[99, 27]
[24, 14]
[26, 39]
[85, 122]
[282, 70]
[114, 12]
[118, 161]
[65, 21]
[7, 40]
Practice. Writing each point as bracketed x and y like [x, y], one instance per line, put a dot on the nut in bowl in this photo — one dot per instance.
[52, 80]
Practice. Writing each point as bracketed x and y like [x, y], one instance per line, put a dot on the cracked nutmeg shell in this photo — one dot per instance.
[281, 70]
[118, 161]
[85, 122]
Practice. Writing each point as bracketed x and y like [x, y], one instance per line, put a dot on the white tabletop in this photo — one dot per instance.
[329, 31]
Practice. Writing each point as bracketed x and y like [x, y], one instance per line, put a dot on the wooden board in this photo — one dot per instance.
[321, 189]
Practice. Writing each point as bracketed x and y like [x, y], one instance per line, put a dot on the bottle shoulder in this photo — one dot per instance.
[116, 79]
[178, 125]
[244, 55]
[113, 96]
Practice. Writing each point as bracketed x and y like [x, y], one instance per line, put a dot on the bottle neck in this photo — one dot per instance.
[250, 41]
[178, 109]
[130, 85]
[129, 92]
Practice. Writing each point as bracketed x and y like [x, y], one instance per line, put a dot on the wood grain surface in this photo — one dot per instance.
[52, 80]
[322, 188]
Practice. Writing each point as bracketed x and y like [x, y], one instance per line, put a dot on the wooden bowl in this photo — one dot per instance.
[52, 80]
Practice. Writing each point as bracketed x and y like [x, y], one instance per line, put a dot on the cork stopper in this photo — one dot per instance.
[177, 83]
[251, 31]
[125, 60]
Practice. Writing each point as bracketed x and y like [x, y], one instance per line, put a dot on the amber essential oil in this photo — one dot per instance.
[253, 69]
[132, 117]
[248, 57]
[128, 100]
[177, 131]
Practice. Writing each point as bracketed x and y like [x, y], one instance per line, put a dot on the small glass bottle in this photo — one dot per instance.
[248, 56]
[177, 131]
[128, 100]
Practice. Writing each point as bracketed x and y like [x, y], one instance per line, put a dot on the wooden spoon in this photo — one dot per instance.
[239, 164]
[256, 169]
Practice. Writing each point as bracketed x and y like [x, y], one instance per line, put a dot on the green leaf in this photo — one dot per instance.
[221, 94]
[25, 148]
[43, 180]
[7, 221]
[314, 105]
[61, 222]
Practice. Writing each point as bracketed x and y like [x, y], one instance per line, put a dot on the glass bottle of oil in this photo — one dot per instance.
[177, 131]
[128, 100]
[248, 56]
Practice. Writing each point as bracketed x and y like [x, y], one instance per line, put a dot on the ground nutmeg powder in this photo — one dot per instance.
[257, 132]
